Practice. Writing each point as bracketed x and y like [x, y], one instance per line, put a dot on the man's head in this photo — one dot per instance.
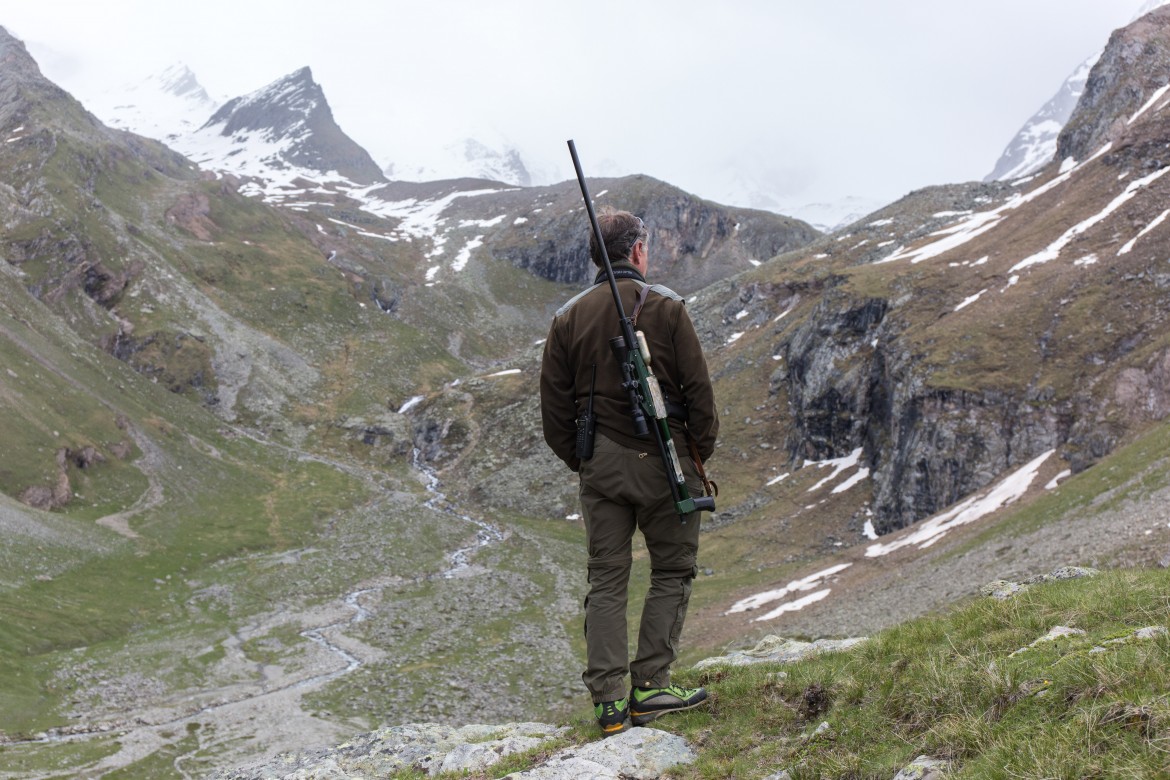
[621, 231]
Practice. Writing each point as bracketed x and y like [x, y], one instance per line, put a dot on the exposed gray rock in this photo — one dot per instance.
[637, 754]
[1136, 62]
[694, 242]
[1149, 632]
[1001, 589]
[1054, 634]
[775, 649]
[1063, 573]
[1005, 589]
[923, 768]
[428, 747]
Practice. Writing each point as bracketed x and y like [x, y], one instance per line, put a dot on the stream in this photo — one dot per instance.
[144, 737]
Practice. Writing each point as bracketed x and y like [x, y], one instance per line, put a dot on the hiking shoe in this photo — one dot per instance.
[612, 716]
[646, 704]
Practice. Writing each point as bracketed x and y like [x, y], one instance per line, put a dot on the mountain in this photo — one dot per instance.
[829, 216]
[167, 106]
[173, 107]
[228, 408]
[273, 471]
[279, 132]
[469, 158]
[1034, 146]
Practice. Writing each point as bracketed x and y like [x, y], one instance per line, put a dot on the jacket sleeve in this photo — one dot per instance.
[695, 381]
[558, 404]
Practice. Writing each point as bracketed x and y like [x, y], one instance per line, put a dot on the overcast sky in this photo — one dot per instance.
[826, 98]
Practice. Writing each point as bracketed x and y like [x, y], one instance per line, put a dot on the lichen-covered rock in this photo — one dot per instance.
[1005, 589]
[427, 747]
[1001, 589]
[923, 768]
[775, 649]
[637, 754]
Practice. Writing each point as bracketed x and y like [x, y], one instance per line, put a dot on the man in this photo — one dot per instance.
[624, 485]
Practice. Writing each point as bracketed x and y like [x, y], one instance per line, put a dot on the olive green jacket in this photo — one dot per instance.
[579, 339]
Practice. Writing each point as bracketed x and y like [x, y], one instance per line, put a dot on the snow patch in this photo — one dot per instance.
[1052, 251]
[839, 465]
[796, 586]
[930, 531]
[968, 301]
[412, 402]
[1129, 244]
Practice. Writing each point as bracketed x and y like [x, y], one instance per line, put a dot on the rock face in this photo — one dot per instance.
[779, 650]
[637, 754]
[692, 242]
[293, 111]
[878, 367]
[1135, 64]
[1035, 144]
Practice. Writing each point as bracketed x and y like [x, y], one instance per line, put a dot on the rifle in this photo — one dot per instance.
[645, 394]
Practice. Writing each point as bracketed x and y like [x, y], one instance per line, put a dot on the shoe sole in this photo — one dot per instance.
[617, 728]
[641, 718]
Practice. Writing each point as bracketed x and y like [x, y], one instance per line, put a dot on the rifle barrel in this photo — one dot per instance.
[627, 328]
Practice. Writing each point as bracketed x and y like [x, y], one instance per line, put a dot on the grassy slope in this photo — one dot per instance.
[957, 687]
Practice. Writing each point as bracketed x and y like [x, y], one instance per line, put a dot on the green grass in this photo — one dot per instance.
[949, 687]
[58, 760]
[1132, 471]
[107, 601]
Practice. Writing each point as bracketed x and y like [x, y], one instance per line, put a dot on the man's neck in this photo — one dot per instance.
[623, 269]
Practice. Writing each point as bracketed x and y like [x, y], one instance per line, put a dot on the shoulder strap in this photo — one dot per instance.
[643, 294]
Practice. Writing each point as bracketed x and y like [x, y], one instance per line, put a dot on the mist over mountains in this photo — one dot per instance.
[1034, 146]
[174, 108]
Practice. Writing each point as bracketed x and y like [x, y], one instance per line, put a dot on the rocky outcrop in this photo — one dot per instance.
[1135, 65]
[780, 650]
[61, 492]
[182, 362]
[637, 754]
[293, 110]
[692, 242]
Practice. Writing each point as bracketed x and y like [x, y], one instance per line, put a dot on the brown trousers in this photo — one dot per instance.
[622, 490]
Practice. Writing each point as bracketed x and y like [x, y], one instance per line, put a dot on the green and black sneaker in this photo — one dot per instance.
[646, 704]
[612, 716]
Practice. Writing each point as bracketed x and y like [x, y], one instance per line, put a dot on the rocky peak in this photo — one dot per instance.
[293, 115]
[1035, 144]
[14, 57]
[28, 99]
[1133, 67]
[178, 80]
[282, 108]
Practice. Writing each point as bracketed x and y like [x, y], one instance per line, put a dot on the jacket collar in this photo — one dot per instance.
[622, 269]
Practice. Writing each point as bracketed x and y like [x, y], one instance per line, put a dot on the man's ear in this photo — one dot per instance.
[638, 253]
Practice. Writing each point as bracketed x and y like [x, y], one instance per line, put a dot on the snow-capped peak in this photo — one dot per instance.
[1035, 144]
[496, 160]
[280, 132]
[164, 106]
